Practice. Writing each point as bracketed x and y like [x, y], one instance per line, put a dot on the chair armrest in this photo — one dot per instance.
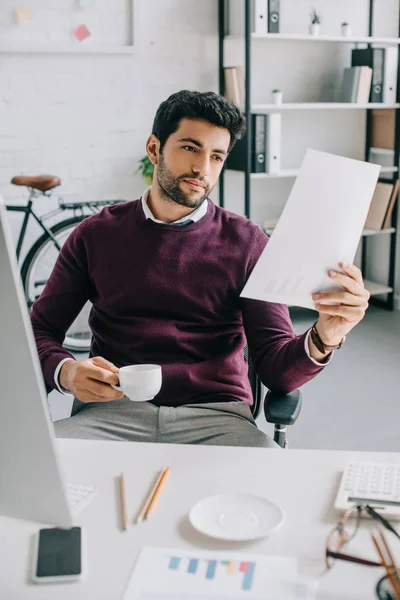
[282, 408]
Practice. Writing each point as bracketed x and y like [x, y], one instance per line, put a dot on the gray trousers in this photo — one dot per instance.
[219, 423]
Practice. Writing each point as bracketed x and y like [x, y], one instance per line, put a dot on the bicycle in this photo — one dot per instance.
[41, 257]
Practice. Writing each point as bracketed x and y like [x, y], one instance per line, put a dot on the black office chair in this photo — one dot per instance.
[280, 409]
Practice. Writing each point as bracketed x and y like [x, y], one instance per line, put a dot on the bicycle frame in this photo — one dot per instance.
[27, 209]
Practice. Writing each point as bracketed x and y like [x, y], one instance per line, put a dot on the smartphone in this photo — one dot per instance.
[58, 555]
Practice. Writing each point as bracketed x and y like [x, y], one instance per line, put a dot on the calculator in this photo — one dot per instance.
[376, 484]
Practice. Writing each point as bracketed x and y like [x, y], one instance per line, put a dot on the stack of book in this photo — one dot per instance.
[356, 85]
[382, 205]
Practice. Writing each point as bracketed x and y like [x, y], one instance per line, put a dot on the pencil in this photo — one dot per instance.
[149, 498]
[387, 568]
[157, 493]
[124, 510]
[391, 558]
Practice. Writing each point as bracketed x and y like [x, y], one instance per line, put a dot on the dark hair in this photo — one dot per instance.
[209, 106]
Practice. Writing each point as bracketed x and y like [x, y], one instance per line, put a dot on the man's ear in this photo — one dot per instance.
[153, 149]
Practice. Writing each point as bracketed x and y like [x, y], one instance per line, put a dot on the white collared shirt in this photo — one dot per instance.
[195, 216]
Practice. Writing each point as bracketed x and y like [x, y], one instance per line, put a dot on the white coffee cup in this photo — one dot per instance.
[139, 382]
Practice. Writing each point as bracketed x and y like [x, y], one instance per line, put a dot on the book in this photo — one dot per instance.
[356, 85]
[351, 78]
[270, 223]
[232, 85]
[235, 85]
[364, 85]
[383, 128]
[388, 217]
[379, 206]
[373, 58]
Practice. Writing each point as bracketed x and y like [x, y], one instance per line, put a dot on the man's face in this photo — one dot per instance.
[191, 162]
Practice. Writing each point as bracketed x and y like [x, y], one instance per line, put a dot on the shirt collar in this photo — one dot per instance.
[195, 216]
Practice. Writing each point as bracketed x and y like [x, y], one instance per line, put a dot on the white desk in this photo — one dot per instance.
[302, 482]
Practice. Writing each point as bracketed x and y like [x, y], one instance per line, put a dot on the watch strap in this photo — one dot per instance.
[319, 344]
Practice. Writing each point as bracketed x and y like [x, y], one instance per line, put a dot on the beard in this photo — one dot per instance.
[171, 191]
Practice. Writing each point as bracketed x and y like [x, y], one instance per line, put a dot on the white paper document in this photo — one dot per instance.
[173, 574]
[320, 226]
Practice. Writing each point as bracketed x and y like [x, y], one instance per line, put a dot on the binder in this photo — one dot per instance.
[273, 16]
[390, 76]
[374, 58]
[274, 128]
[237, 157]
[259, 17]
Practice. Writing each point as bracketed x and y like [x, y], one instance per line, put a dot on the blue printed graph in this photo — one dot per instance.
[209, 568]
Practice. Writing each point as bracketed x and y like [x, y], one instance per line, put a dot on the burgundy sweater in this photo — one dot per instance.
[170, 295]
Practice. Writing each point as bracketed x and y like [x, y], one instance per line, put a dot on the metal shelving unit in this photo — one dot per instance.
[375, 289]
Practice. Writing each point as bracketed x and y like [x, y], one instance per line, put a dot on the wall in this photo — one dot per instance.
[86, 118]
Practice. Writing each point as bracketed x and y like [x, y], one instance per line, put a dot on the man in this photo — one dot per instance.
[164, 274]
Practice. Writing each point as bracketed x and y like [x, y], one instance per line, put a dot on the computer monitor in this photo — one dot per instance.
[32, 486]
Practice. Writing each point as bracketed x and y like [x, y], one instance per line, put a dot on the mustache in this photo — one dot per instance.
[202, 180]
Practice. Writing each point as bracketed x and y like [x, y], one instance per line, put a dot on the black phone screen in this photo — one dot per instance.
[59, 552]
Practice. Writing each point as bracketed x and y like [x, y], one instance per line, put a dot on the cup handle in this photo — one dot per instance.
[117, 387]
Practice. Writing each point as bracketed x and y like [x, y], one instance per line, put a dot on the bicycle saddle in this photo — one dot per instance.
[41, 182]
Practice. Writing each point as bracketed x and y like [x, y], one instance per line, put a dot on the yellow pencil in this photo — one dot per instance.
[157, 493]
[149, 498]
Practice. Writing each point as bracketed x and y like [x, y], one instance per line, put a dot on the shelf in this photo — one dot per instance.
[367, 232]
[382, 151]
[267, 108]
[288, 173]
[388, 230]
[388, 170]
[326, 38]
[65, 49]
[376, 288]
[282, 174]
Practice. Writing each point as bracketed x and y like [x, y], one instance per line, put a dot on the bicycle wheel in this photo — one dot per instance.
[36, 270]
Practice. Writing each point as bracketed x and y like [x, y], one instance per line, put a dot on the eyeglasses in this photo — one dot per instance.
[346, 530]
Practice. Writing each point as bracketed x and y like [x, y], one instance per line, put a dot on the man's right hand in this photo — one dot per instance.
[90, 380]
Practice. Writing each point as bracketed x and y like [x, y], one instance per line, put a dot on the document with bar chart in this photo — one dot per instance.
[163, 573]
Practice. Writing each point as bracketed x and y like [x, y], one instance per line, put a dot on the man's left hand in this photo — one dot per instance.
[336, 321]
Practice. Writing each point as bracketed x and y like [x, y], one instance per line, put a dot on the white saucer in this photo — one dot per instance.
[236, 517]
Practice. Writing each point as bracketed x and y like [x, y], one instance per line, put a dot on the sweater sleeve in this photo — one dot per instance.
[66, 292]
[279, 355]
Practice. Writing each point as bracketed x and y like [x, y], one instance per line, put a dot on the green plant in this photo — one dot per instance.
[146, 168]
[315, 17]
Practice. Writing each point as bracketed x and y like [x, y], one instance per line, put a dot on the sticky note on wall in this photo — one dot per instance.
[81, 33]
[23, 15]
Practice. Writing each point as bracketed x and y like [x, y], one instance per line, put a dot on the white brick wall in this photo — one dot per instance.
[87, 118]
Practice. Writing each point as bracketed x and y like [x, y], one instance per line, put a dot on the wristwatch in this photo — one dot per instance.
[318, 343]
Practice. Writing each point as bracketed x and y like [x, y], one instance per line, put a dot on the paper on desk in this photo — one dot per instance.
[173, 574]
[320, 226]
